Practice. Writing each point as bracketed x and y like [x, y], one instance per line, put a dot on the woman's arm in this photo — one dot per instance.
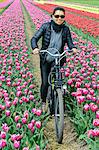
[36, 37]
[69, 40]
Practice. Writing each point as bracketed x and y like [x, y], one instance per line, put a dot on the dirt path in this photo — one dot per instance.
[70, 141]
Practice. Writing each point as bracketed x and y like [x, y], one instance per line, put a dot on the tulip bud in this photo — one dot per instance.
[38, 124]
[16, 144]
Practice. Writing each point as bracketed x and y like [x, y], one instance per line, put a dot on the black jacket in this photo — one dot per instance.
[45, 33]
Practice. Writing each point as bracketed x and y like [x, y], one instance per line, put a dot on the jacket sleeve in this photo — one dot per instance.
[36, 37]
[69, 40]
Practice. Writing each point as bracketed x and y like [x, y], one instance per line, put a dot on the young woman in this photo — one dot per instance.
[55, 34]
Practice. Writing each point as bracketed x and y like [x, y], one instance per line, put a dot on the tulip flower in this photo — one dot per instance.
[3, 135]
[16, 144]
[38, 124]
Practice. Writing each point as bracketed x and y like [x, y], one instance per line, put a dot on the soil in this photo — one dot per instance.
[70, 140]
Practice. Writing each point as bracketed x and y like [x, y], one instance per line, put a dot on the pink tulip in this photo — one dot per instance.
[37, 147]
[89, 133]
[26, 114]
[25, 148]
[3, 72]
[32, 86]
[67, 74]
[97, 114]
[91, 91]
[33, 129]
[70, 81]
[34, 110]
[24, 120]
[20, 101]
[93, 99]
[0, 84]
[5, 94]
[38, 112]
[73, 94]
[5, 127]
[80, 99]
[16, 118]
[31, 75]
[3, 107]
[78, 84]
[94, 108]
[19, 88]
[23, 76]
[30, 126]
[31, 97]
[95, 133]
[18, 125]
[9, 72]
[26, 91]
[85, 91]
[3, 143]
[8, 103]
[8, 113]
[97, 86]
[19, 93]
[89, 97]
[18, 137]
[2, 78]
[18, 83]
[3, 135]
[15, 101]
[86, 107]
[38, 124]
[25, 83]
[96, 122]
[78, 93]
[33, 121]
[13, 137]
[17, 144]
[94, 86]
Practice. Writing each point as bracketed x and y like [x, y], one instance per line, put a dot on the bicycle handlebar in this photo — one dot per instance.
[54, 55]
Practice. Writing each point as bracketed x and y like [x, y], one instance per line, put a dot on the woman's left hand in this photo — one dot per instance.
[75, 50]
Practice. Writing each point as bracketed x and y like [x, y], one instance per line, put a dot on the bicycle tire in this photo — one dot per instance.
[50, 100]
[59, 114]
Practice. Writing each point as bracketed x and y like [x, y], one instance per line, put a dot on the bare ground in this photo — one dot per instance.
[70, 140]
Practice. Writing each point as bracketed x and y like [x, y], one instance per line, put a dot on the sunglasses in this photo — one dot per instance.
[61, 16]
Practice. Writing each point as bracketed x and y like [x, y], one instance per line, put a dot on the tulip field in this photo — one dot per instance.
[22, 122]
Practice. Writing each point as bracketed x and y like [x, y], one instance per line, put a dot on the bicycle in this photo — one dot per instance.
[55, 94]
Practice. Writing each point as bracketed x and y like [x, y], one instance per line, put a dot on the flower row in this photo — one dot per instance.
[4, 4]
[86, 25]
[78, 12]
[20, 113]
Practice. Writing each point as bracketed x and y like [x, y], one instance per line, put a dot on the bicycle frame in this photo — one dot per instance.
[57, 67]
[55, 97]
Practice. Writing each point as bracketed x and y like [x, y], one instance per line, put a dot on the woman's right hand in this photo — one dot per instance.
[36, 51]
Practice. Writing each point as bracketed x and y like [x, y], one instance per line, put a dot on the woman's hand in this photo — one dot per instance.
[75, 50]
[36, 51]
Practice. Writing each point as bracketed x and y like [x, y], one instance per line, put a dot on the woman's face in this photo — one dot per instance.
[58, 17]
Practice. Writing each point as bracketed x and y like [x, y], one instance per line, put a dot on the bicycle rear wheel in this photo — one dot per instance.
[59, 114]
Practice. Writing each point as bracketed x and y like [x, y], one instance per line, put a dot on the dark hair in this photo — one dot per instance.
[58, 8]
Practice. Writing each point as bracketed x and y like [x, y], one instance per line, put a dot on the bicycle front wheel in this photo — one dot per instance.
[59, 114]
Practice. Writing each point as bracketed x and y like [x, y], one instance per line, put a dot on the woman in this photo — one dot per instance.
[55, 34]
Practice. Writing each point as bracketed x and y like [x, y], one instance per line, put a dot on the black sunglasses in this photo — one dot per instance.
[57, 16]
